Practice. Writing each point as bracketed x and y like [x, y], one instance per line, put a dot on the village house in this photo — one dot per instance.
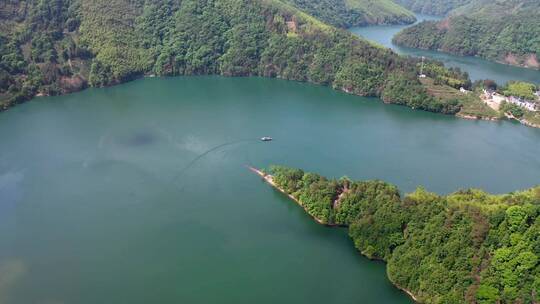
[498, 99]
[494, 96]
[529, 105]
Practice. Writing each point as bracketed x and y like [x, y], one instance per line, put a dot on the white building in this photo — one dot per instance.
[499, 99]
[529, 105]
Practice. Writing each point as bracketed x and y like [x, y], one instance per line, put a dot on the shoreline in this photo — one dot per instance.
[269, 179]
[458, 115]
[409, 293]
[474, 117]
[502, 62]
[528, 124]
[5, 106]
[494, 119]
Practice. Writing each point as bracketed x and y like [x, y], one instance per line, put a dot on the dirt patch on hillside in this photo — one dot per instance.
[444, 24]
[532, 61]
[72, 84]
[511, 59]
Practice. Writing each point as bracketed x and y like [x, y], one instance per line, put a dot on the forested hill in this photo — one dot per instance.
[433, 7]
[347, 13]
[56, 46]
[506, 31]
[466, 247]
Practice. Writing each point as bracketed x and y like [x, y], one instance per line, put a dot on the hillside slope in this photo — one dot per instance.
[466, 247]
[504, 31]
[433, 7]
[348, 13]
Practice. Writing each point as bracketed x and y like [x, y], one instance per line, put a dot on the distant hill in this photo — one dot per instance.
[347, 13]
[433, 7]
[505, 31]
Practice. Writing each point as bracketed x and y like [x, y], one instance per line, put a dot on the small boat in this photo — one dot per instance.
[266, 138]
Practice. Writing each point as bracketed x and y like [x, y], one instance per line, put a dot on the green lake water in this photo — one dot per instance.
[139, 193]
[477, 68]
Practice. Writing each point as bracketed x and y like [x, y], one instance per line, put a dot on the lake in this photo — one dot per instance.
[477, 68]
[139, 193]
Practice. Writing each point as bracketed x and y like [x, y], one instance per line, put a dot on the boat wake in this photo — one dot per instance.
[205, 153]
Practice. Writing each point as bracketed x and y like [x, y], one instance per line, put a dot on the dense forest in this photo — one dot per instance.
[505, 31]
[58, 46]
[466, 247]
[433, 7]
[347, 13]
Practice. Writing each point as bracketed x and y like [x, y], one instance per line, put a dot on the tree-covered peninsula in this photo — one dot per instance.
[465, 247]
[54, 47]
[504, 31]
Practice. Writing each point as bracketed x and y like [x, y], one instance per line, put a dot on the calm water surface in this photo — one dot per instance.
[477, 68]
[139, 193]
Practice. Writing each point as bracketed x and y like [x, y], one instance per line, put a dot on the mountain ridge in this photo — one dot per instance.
[64, 46]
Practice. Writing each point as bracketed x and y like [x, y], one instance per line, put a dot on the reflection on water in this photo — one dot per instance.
[477, 68]
[11, 271]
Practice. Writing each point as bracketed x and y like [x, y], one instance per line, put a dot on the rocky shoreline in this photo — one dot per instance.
[474, 117]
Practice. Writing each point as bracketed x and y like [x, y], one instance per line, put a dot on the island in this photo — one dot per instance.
[465, 247]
